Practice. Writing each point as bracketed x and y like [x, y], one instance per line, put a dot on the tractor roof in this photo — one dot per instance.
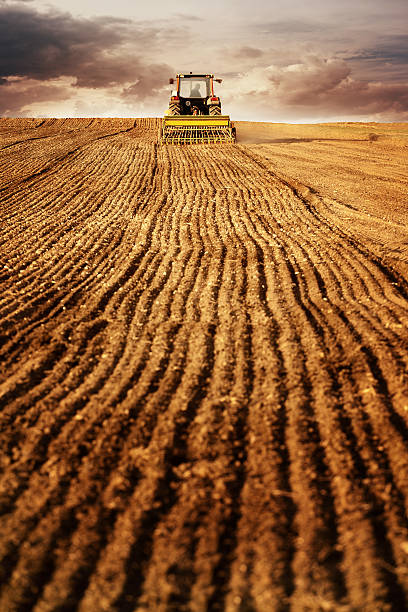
[194, 76]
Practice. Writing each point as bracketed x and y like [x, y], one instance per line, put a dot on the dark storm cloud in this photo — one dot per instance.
[46, 46]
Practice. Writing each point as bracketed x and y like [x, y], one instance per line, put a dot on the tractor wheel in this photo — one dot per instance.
[215, 109]
[174, 109]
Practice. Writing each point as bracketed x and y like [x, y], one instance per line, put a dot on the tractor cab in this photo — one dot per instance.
[195, 95]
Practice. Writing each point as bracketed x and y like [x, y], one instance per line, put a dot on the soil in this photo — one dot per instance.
[204, 368]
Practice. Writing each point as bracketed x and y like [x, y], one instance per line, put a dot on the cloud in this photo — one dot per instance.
[17, 94]
[57, 98]
[297, 83]
[70, 53]
[98, 52]
[289, 26]
[384, 100]
[316, 87]
[386, 60]
[387, 48]
[187, 17]
[151, 80]
[247, 52]
[300, 83]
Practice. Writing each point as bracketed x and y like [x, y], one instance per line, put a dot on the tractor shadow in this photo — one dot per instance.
[259, 140]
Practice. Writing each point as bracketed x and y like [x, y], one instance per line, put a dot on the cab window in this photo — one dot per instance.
[193, 88]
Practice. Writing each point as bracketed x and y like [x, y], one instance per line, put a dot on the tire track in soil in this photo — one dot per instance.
[208, 398]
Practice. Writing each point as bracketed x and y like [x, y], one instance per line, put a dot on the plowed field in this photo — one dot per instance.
[204, 368]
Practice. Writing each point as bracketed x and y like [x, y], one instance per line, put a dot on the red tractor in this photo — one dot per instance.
[194, 113]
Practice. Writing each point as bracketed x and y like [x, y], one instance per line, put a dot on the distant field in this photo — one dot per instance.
[204, 368]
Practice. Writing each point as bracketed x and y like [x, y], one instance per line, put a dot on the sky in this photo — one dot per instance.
[280, 60]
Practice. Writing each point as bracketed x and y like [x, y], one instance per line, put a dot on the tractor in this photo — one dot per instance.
[194, 113]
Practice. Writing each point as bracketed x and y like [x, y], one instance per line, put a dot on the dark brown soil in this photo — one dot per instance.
[204, 368]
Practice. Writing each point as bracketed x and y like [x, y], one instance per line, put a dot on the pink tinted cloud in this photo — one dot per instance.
[320, 87]
[17, 95]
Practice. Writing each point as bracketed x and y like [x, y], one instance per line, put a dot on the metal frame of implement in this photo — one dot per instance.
[199, 129]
